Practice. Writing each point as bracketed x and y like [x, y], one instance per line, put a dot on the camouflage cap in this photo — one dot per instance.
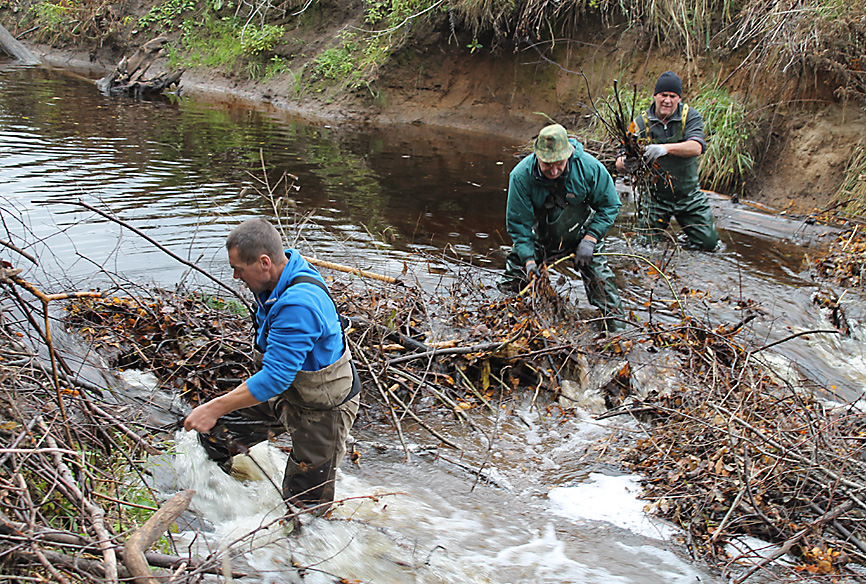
[552, 144]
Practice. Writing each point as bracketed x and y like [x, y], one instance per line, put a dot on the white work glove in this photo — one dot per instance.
[654, 151]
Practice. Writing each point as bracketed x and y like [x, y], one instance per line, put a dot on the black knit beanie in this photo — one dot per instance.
[669, 81]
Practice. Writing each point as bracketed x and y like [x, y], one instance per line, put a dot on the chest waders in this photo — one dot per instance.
[678, 194]
[561, 225]
[560, 228]
[683, 172]
[317, 411]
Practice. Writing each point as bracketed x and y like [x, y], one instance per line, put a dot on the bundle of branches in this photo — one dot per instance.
[196, 345]
[616, 114]
[76, 506]
[844, 263]
[733, 452]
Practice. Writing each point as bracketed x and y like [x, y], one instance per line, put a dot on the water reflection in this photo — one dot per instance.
[185, 172]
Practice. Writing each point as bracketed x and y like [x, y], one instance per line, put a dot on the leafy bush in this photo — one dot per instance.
[166, 13]
[338, 63]
[52, 16]
[260, 40]
[728, 159]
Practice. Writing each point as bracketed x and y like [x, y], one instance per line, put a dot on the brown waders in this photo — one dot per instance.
[317, 411]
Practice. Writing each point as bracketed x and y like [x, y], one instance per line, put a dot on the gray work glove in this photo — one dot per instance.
[532, 270]
[654, 151]
[583, 254]
[631, 164]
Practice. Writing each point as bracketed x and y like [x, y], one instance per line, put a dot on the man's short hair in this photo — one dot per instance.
[255, 237]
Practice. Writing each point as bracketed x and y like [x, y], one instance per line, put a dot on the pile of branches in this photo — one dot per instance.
[844, 263]
[197, 346]
[76, 506]
[200, 346]
[731, 451]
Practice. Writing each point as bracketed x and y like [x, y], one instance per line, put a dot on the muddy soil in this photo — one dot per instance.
[442, 84]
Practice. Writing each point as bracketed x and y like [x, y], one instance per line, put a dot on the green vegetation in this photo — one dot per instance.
[163, 16]
[728, 159]
[230, 44]
[852, 194]
[338, 63]
[231, 305]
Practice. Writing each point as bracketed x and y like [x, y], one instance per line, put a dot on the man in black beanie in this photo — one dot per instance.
[673, 135]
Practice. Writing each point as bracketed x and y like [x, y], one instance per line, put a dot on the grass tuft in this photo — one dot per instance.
[728, 160]
[852, 192]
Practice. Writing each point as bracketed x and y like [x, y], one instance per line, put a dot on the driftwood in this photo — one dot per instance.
[128, 77]
[39, 537]
[14, 48]
[154, 527]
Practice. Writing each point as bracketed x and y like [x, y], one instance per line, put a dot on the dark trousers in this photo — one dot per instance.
[692, 212]
[318, 444]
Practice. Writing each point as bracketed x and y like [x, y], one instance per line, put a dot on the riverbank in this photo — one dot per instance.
[804, 160]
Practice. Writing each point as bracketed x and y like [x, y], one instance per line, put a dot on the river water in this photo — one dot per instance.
[183, 172]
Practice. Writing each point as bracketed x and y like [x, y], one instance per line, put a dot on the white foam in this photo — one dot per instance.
[614, 499]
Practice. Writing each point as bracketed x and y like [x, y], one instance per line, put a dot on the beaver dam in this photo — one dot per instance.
[726, 448]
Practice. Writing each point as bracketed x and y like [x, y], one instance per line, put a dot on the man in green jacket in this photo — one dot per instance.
[674, 137]
[562, 200]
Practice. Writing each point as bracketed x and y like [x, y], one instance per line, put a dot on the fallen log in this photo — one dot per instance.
[15, 532]
[128, 77]
[14, 48]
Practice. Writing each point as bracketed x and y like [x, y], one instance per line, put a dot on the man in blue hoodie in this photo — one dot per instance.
[306, 386]
[562, 200]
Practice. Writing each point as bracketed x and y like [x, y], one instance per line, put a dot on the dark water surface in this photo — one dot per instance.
[185, 173]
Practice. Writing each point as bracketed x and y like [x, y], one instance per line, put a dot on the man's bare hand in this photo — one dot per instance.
[201, 419]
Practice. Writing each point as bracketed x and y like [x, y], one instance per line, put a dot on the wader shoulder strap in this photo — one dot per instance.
[682, 131]
[643, 126]
[344, 323]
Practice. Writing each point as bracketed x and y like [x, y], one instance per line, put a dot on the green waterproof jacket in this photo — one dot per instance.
[557, 213]
[683, 171]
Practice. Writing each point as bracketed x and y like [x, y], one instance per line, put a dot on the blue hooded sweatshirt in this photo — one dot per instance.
[298, 329]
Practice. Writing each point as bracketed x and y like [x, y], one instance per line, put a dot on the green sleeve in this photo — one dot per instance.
[519, 212]
[603, 198]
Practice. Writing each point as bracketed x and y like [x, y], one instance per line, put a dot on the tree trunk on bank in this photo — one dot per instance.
[13, 48]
